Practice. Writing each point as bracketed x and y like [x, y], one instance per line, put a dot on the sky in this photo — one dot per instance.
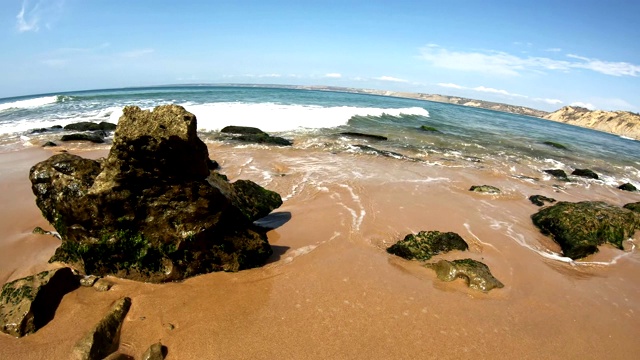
[543, 54]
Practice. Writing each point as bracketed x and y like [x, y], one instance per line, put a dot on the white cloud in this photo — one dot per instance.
[450, 85]
[391, 78]
[44, 12]
[502, 63]
[333, 75]
[582, 104]
[137, 53]
[553, 50]
[550, 101]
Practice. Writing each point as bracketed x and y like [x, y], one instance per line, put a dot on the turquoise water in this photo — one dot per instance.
[313, 119]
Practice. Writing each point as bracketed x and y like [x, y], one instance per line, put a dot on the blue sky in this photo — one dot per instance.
[542, 54]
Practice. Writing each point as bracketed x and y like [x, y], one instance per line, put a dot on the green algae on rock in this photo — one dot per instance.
[540, 200]
[426, 244]
[154, 210]
[635, 207]
[555, 145]
[579, 228]
[485, 189]
[586, 173]
[29, 303]
[558, 174]
[476, 274]
[627, 187]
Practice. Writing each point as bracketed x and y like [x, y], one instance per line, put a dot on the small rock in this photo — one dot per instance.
[154, 352]
[49, 144]
[104, 338]
[364, 136]
[555, 145]
[94, 138]
[485, 189]
[89, 280]
[426, 244]
[585, 173]
[242, 130]
[476, 274]
[39, 230]
[635, 207]
[29, 303]
[540, 200]
[170, 326]
[627, 187]
[102, 285]
[91, 126]
[428, 128]
[558, 174]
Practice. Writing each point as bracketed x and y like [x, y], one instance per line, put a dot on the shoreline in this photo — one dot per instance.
[331, 290]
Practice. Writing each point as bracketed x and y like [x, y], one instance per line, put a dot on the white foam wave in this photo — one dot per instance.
[29, 103]
[273, 117]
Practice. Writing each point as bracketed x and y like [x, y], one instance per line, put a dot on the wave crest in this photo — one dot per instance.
[31, 103]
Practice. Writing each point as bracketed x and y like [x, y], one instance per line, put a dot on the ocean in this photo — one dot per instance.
[466, 137]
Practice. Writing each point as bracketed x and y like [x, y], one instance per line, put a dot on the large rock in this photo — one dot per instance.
[475, 273]
[579, 228]
[426, 244]
[153, 210]
[104, 338]
[29, 303]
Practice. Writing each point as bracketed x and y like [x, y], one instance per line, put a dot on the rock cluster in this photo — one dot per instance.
[425, 244]
[153, 210]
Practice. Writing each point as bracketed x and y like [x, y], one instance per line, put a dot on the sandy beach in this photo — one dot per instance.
[332, 291]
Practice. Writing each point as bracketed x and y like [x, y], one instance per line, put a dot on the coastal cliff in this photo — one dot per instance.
[622, 123]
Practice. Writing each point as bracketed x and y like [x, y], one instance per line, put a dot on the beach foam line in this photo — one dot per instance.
[29, 103]
[272, 117]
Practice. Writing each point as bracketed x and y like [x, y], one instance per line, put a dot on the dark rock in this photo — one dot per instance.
[476, 274]
[635, 207]
[56, 127]
[242, 130]
[155, 352]
[97, 138]
[104, 338]
[540, 200]
[49, 144]
[152, 210]
[558, 174]
[385, 153]
[365, 136]
[264, 139]
[426, 244]
[627, 187]
[213, 165]
[485, 189]
[91, 126]
[38, 131]
[579, 228]
[29, 303]
[555, 145]
[585, 173]
[429, 128]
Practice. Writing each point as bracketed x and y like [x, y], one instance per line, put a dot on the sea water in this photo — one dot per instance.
[465, 136]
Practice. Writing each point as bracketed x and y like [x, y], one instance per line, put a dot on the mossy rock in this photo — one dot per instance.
[242, 130]
[558, 174]
[635, 207]
[627, 187]
[428, 128]
[586, 173]
[91, 137]
[425, 244]
[475, 273]
[579, 228]
[364, 136]
[555, 145]
[485, 189]
[540, 200]
[91, 126]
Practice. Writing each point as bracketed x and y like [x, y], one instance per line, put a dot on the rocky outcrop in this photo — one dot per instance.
[425, 244]
[635, 207]
[485, 189]
[29, 303]
[254, 135]
[153, 210]
[94, 137]
[558, 174]
[628, 187]
[91, 126]
[615, 122]
[476, 274]
[579, 228]
[364, 136]
[104, 338]
[586, 173]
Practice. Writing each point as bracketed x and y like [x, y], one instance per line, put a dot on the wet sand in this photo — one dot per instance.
[332, 291]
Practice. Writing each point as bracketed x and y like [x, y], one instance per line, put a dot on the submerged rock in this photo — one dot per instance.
[555, 145]
[579, 228]
[254, 135]
[485, 189]
[97, 138]
[364, 136]
[540, 200]
[585, 173]
[558, 174]
[104, 338]
[29, 303]
[476, 274]
[153, 210]
[49, 144]
[429, 128]
[627, 187]
[242, 130]
[426, 244]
